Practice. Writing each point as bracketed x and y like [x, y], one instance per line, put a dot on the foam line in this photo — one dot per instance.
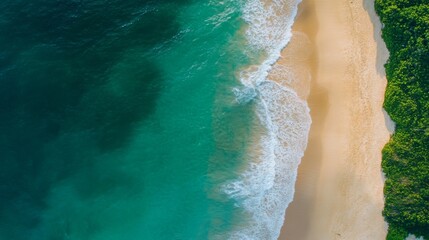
[266, 187]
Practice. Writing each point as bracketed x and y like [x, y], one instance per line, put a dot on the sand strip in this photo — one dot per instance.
[339, 191]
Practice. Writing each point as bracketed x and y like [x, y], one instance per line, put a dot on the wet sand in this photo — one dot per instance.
[339, 190]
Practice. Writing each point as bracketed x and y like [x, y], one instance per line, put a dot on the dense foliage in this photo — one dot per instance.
[406, 156]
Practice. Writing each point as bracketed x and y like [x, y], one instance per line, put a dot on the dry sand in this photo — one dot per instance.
[339, 191]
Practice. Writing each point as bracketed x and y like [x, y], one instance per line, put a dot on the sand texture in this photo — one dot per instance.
[339, 191]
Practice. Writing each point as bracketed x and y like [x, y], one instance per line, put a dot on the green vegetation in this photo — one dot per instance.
[406, 156]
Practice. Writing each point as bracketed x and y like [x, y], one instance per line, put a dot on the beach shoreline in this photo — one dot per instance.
[339, 189]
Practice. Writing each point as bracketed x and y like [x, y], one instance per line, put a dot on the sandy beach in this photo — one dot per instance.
[339, 190]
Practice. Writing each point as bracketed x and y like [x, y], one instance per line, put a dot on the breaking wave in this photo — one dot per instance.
[266, 186]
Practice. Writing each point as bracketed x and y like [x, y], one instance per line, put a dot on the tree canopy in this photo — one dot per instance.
[406, 156]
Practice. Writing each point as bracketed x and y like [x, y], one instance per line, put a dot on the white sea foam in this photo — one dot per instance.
[266, 187]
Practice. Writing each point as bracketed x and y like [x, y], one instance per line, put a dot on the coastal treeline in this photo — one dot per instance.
[406, 156]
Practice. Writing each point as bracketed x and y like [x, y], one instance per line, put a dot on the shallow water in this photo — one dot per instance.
[143, 120]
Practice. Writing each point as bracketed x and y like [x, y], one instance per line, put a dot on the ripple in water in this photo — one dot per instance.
[266, 186]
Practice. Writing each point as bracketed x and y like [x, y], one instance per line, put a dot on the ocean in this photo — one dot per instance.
[146, 119]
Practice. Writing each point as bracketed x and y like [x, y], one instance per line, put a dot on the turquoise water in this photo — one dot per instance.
[128, 120]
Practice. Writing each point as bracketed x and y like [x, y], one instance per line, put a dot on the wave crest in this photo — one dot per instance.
[266, 187]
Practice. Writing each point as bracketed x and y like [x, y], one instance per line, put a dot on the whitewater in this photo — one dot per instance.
[265, 188]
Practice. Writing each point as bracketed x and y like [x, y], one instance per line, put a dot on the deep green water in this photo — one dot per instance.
[125, 120]
[117, 118]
